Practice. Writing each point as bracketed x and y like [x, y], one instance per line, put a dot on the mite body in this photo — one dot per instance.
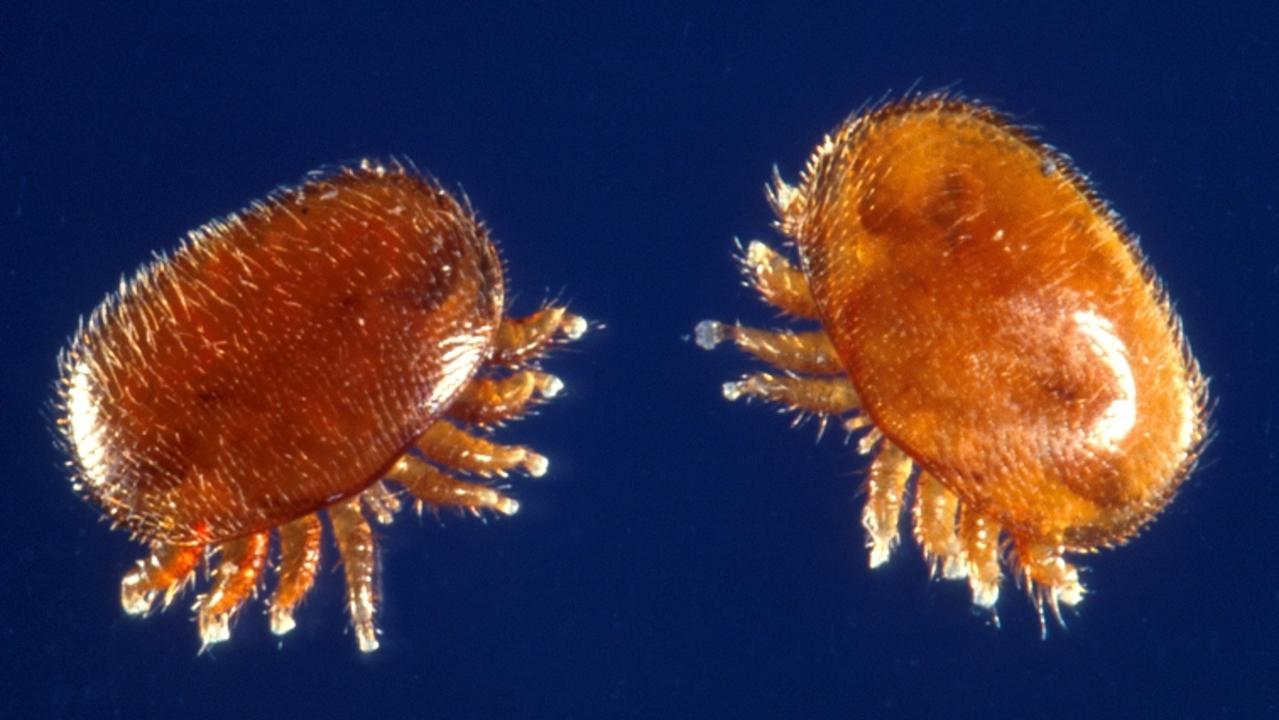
[986, 320]
[326, 352]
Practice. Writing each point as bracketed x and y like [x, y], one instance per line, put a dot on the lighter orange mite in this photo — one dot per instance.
[993, 330]
[331, 351]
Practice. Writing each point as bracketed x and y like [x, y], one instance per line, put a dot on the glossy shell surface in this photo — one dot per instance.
[281, 358]
[998, 323]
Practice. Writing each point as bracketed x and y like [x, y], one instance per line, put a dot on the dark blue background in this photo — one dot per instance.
[685, 557]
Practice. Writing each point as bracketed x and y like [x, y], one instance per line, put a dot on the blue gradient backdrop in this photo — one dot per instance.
[685, 557]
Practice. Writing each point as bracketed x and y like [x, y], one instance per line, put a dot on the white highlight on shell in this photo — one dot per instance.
[1118, 419]
[86, 427]
[459, 357]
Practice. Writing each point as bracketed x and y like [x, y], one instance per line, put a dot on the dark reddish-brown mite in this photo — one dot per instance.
[990, 325]
[312, 355]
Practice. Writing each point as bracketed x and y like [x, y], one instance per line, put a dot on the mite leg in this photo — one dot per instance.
[382, 502]
[450, 446]
[433, 487]
[359, 562]
[299, 559]
[818, 395]
[488, 401]
[885, 493]
[235, 578]
[867, 443]
[856, 424]
[1049, 579]
[520, 340]
[979, 537]
[807, 352]
[777, 281]
[936, 514]
[167, 570]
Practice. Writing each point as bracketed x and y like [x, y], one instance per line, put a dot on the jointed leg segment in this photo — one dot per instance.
[1050, 580]
[980, 539]
[235, 579]
[359, 562]
[299, 561]
[439, 489]
[815, 382]
[818, 395]
[164, 573]
[806, 352]
[446, 444]
[885, 493]
[520, 340]
[492, 401]
[777, 281]
[936, 514]
[381, 502]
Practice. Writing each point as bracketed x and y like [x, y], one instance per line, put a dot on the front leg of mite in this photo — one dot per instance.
[163, 574]
[359, 563]
[450, 446]
[778, 282]
[936, 517]
[979, 536]
[1047, 577]
[490, 402]
[436, 488]
[300, 543]
[235, 579]
[885, 494]
[821, 396]
[381, 502]
[522, 340]
[808, 353]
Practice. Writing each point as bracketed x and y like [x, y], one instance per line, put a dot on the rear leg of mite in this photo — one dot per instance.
[885, 494]
[979, 538]
[381, 502]
[235, 580]
[958, 542]
[300, 543]
[1049, 580]
[162, 575]
[358, 552]
[936, 524]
